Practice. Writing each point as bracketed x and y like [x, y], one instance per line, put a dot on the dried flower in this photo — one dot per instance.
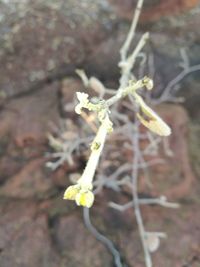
[150, 119]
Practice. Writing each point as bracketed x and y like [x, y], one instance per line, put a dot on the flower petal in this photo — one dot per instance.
[71, 192]
[157, 125]
[85, 199]
[83, 101]
[82, 97]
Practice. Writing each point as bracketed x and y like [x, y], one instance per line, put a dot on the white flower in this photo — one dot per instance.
[83, 102]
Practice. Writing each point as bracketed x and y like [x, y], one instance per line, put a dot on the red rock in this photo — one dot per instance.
[8, 166]
[152, 10]
[165, 8]
[28, 119]
[25, 238]
[31, 181]
[77, 245]
[14, 216]
[58, 39]
[177, 118]
[181, 227]
[60, 177]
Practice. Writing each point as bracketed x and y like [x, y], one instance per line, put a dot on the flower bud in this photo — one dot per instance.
[71, 192]
[85, 199]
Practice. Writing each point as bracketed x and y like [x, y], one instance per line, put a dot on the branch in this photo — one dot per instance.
[136, 201]
[166, 95]
[151, 201]
[104, 240]
[135, 145]
[130, 36]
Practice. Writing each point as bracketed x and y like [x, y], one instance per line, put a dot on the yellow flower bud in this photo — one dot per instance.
[85, 198]
[81, 193]
[71, 192]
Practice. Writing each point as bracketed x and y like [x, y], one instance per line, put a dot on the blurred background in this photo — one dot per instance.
[42, 43]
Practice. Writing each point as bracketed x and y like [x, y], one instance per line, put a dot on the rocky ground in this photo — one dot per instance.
[42, 42]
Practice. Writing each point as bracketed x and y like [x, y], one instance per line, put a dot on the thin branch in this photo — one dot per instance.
[130, 36]
[158, 234]
[138, 216]
[66, 154]
[127, 65]
[119, 207]
[149, 201]
[167, 91]
[185, 59]
[104, 240]
[159, 201]
[139, 47]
